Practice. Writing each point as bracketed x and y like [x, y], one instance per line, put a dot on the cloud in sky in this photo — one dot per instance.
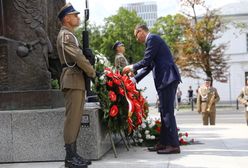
[101, 9]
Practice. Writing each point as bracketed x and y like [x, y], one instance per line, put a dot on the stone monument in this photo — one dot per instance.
[27, 53]
[31, 112]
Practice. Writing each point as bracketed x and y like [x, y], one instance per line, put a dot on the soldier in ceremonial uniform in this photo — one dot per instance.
[75, 66]
[243, 99]
[120, 59]
[206, 99]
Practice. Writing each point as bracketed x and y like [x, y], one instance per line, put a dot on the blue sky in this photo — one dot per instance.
[101, 9]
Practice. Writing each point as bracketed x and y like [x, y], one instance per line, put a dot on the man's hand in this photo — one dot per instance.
[127, 69]
[89, 55]
[133, 80]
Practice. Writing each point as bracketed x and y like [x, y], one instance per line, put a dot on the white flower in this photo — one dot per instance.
[140, 140]
[151, 124]
[152, 137]
[139, 135]
[148, 136]
[102, 77]
[143, 125]
[147, 132]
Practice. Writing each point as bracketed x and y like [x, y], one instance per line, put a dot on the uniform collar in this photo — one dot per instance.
[67, 28]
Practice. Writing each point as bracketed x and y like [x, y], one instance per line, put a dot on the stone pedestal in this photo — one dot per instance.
[31, 99]
[93, 141]
[37, 135]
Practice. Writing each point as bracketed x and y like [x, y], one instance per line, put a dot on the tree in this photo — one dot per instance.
[198, 50]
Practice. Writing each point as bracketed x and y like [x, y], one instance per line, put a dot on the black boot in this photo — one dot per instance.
[88, 162]
[71, 161]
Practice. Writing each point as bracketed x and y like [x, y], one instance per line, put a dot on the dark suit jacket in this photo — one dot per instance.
[157, 58]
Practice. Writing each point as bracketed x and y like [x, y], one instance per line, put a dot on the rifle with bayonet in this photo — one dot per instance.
[88, 54]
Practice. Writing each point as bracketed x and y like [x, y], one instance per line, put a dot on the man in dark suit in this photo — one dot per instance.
[166, 76]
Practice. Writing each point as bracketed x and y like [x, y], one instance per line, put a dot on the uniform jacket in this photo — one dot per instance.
[157, 58]
[72, 77]
[243, 96]
[204, 94]
[120, 60]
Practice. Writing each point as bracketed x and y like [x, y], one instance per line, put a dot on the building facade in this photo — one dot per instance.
[146, 10]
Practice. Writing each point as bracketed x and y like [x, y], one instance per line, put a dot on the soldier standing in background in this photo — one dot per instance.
[72, 81]
[120, 59]
[206, 99]
[243, 99]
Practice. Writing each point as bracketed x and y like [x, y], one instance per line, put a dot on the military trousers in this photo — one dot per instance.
[208, 117]
[74, 108]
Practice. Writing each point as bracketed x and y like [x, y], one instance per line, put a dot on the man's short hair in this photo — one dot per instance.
[142, 26]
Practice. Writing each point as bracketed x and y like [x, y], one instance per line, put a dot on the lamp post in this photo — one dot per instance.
[230, 89]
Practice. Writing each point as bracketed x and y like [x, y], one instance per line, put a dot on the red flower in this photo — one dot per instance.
[110, 83]
[157, 122]
[121, 91]
[182, 141]
[112, 96]
[130, 95]
[109, 74]
[158, 129]
[113, 111]
[130, 124]
[117, 81]
[137, 106]
[186, 134]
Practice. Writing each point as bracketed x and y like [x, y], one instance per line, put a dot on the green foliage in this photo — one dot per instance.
[55, 84]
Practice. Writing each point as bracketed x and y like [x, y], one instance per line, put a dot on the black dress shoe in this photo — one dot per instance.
[156, 148]
[169, 150]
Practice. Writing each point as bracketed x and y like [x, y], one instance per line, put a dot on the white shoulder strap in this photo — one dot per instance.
[63, 49]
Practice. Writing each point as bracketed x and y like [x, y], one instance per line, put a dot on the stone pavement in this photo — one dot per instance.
[224, 145]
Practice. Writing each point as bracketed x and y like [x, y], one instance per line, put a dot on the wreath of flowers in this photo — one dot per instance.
[122, 105]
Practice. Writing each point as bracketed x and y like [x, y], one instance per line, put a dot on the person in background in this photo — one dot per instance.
[243, 98]
[159, 60]
[120, 59]
[190, 94]
[206, 100]
[178, 98]
[72, 83]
